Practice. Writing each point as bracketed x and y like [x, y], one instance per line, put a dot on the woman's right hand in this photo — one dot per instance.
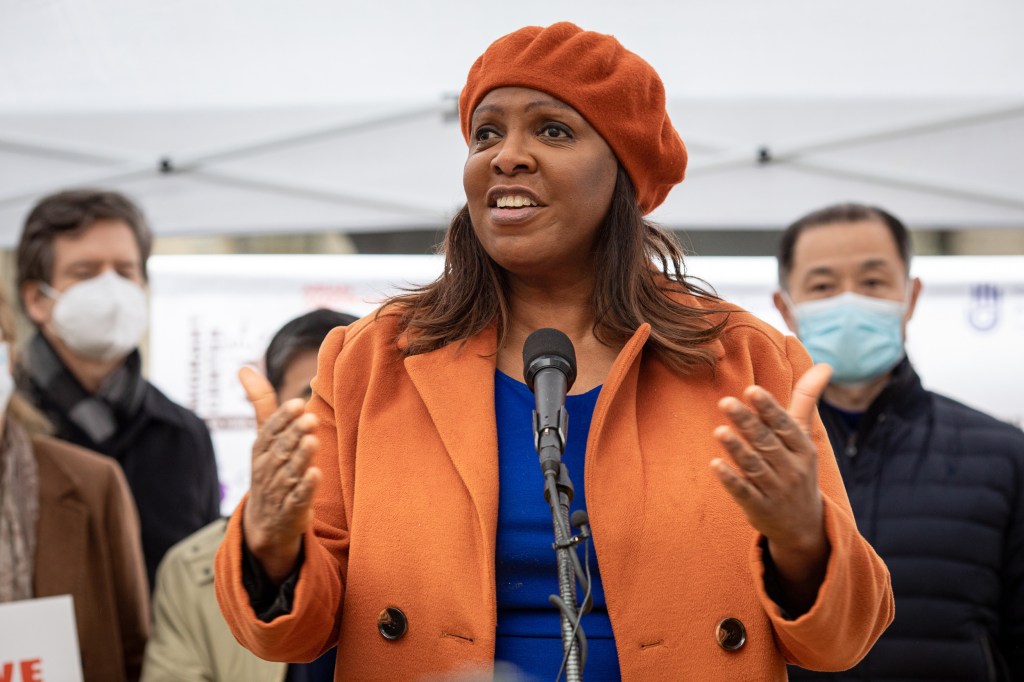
[280, 504]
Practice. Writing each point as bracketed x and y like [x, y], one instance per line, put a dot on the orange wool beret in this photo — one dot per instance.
[616, 91]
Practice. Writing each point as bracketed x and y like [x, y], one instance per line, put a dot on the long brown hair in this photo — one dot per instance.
[19, 408]
[638, 265]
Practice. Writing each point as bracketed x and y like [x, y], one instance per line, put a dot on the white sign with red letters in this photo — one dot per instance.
[38, 641]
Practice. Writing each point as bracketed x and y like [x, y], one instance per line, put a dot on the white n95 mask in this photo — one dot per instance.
[102, 318]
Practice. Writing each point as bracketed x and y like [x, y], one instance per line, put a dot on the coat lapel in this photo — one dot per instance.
[63, 529]
[614, 468]
[456, 383]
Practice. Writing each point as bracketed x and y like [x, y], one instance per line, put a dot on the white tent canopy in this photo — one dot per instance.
[244, 117]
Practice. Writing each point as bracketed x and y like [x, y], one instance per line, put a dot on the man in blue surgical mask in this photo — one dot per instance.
[936, 487]
[81, 269]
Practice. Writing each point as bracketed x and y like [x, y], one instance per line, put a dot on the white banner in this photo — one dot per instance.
[38, 641]
[213, 314]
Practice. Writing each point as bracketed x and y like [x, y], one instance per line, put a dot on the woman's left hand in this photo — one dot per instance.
[776, 478]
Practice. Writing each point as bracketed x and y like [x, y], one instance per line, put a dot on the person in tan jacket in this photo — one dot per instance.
[386, 516]
[68, 526]
[190, 639]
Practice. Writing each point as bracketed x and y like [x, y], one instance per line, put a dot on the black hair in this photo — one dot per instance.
[841, 213]
[304, 333]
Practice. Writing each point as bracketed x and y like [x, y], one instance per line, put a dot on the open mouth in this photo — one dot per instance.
[514, 201]
[512, 197]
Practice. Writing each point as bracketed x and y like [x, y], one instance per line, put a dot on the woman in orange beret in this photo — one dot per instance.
[418, 540]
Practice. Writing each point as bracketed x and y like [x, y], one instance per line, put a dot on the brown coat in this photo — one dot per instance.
[88, 546]
[406, 516]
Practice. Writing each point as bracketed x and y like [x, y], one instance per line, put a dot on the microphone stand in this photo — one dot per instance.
[558, 491]
[549, 366]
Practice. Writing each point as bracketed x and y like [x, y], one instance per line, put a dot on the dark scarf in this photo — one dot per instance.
[98, 415]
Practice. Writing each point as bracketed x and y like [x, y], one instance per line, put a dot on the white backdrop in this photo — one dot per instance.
[212, 314]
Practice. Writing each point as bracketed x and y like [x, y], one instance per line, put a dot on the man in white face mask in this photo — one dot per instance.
[936, 487]
[81, 268]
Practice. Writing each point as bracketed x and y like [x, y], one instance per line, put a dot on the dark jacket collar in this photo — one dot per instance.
[904, 393]
[903, 396]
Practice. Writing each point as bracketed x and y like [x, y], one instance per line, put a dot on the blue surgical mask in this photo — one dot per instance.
[860, 336]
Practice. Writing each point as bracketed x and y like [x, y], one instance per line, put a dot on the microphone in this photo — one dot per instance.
[549, 366]
[580, 519]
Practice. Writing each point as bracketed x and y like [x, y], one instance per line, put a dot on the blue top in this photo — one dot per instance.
[529, 628]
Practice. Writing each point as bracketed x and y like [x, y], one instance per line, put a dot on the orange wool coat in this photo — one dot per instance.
[407, 510]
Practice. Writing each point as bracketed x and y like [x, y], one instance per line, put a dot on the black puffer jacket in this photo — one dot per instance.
[938, 490]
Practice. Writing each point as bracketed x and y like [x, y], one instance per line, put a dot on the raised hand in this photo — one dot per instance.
[776, 478]
[280, 503]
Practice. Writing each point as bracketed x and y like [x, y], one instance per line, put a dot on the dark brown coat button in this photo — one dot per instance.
[731, 634]
[392, 623]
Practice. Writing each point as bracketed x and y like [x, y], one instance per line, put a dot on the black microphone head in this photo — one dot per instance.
[548, 347]
[579, 518]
